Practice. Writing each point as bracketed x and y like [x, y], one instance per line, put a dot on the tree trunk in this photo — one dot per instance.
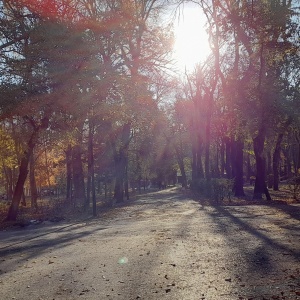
[23, 171]
[222, 158]
[276, 159]
[68, 153]
[228, 158]
[249, 169]
[194, 163]
[207, 149]
[120, 158]
[78, 178]
[91, 170]
[94, 192]
[91, 167]
[33, 189]
[238, 169]
[9, 182]
[269, 165]
[298, 161]
[126, 185]
[276, 154]
[89, 162]
[120, 174]
[181, 167]
[260, 186]
[200, 171]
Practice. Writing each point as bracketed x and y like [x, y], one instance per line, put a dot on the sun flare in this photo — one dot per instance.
[191, 40]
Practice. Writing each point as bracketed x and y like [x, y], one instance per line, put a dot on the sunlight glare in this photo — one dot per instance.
[191, 40]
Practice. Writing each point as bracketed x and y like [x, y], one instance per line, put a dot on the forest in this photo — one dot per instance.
[92, 106]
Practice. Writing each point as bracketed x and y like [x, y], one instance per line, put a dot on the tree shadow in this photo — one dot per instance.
[35, 245]
[293, 210]
[244, 226]
[265, 258]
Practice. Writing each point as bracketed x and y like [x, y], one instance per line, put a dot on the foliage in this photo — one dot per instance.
[216, 189]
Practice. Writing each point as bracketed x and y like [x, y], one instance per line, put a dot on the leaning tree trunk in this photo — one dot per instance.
[9, 181]
[23, 171]
[260, 186]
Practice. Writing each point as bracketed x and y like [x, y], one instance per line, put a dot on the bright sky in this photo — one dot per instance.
[191, 44]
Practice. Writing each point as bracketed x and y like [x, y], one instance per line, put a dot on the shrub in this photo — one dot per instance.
[215, 189]
[221, 188]
[294, 186]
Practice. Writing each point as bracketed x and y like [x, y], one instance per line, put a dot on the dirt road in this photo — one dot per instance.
[162, 246]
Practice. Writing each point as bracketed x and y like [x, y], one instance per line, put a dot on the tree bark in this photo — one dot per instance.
[120, 158]
[207, 147]
[23, 171]
[9, 182]
[33, 189]
[181, 167]
[126, 183]
[120, 175]
[276, 154]
[68, 153]
[228, 158]
[298, 161]
[276, 159]
[78, 177]
[194, 163]
[249, 169]
[238, 169]
[89, 162]
[222, 158]
[91, 170]
[260, 186]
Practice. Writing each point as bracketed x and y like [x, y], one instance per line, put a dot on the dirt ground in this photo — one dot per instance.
[164, 245]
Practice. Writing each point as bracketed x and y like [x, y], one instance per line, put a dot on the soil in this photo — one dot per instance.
[164, 245]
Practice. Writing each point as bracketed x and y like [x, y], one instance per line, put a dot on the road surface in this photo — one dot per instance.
[164, 245]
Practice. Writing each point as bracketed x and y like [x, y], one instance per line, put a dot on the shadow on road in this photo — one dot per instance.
[242, 225]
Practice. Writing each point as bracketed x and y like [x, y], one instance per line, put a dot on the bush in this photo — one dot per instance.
[294, 186]
[222, 188]
[215, 189]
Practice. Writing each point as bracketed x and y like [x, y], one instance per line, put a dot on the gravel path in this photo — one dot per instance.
[162, 246]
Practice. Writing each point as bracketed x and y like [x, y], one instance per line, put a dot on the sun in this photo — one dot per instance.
[191, 40]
